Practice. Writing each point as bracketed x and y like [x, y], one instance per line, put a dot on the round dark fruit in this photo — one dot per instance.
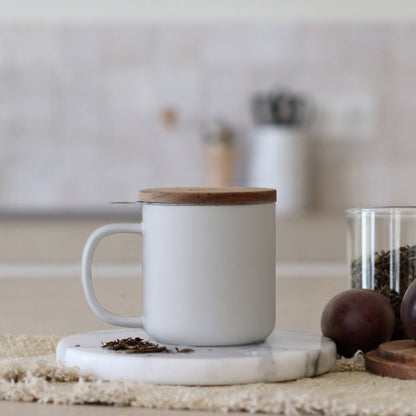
[408, 310]
[357, 319]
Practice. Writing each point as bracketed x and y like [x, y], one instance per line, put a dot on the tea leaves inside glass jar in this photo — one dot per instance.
[383, 265]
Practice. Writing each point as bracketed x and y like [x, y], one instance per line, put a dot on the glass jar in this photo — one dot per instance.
[381, 253]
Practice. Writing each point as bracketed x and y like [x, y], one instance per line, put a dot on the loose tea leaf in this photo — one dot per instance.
[138, 346]
[184, 350]
[384, 263]
[134, 346]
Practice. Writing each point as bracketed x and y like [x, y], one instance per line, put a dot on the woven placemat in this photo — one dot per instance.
[28, 372]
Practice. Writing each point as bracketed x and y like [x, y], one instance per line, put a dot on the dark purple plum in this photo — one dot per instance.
[408, 310]
[357, 319]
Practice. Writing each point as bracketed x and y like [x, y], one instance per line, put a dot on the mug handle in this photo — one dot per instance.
[87, 285]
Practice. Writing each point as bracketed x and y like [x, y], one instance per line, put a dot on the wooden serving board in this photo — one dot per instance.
[393, 359]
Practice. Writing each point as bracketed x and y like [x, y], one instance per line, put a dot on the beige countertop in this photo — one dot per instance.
[46, 239]
[44, 306]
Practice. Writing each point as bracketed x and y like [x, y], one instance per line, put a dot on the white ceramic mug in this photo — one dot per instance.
[208, 265]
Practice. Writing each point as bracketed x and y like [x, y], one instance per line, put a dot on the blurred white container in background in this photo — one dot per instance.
[279, 156]
[279, 160]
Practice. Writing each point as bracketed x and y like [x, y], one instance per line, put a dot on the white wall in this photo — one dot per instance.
[85, 102]
[194, 10]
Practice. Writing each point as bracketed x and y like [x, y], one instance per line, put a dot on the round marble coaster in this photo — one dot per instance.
[282, 356]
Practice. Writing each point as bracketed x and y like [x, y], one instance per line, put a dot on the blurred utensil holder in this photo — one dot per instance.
[280, 154]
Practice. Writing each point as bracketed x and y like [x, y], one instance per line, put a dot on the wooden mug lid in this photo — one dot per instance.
[208, 196]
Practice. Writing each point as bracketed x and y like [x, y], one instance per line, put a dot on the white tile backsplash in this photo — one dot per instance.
[34, 44]
[176, 46]
[126, 46]
[80, 106]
